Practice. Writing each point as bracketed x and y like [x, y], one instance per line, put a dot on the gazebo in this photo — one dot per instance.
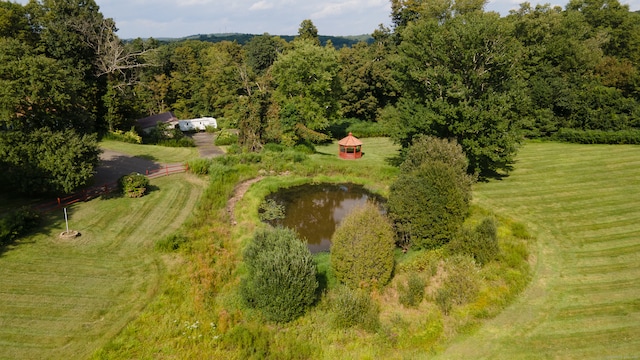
[350, 147]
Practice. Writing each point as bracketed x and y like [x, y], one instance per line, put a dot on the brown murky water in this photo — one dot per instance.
[315, 211]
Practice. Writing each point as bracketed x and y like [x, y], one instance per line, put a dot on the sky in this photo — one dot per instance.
[179, 18]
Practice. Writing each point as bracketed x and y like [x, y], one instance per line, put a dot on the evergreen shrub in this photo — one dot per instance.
[281, 275]
[362, 248]
[430, 199]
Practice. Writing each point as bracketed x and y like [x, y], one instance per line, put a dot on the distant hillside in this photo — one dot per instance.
[337, 41]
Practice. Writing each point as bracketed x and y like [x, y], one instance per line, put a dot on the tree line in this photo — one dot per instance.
[447, 69]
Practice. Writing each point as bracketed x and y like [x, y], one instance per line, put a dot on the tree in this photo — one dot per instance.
[37, 91]
[308, 91]
[308, 31]
[362, 248]
[368, 82]
[461, 80]
[44, 161]
[430, 199]
[227, 78]
[281, 275]
[262, 51]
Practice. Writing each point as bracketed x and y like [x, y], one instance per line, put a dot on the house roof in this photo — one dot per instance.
[350, 140]
[153, 120]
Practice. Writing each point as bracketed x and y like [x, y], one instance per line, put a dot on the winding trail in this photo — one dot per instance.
[238, 193]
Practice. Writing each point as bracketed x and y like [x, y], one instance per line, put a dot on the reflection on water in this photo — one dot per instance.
[315, 211]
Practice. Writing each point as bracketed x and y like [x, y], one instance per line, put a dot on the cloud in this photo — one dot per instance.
[261, 5]
[345, 7]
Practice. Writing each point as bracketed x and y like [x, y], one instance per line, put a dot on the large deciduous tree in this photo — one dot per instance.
[45, 161]
[461, 80]
[308, 91]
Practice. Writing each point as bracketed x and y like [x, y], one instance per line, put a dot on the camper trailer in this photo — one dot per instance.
[199, 124]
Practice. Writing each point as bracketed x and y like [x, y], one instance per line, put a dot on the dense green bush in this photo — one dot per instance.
[17, 223]
[226, 137]
[480, 243]
[362, 248]
[130, 136]
[181, 142]
[412, 294]
[354, 308]
[430, 199]
[428, 206]
[359, 128]
[199, 166]
[598, 136]
[45, 161]
[133, 185]
[281, 275]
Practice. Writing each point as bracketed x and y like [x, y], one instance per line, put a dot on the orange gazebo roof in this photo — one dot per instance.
[350, 140]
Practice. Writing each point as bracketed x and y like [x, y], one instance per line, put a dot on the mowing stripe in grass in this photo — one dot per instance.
[62, 299]
[582, 201]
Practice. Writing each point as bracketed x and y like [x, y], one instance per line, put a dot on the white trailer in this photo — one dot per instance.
[199, 124]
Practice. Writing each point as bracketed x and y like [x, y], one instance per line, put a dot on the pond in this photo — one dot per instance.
[315, 211]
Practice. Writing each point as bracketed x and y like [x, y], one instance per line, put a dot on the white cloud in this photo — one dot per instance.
[261, 5]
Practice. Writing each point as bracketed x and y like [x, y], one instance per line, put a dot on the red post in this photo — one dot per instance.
[166, 168]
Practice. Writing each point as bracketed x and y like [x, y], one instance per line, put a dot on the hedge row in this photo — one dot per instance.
[598, 136]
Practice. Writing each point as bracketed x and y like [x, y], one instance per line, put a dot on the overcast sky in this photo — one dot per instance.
[178, 18]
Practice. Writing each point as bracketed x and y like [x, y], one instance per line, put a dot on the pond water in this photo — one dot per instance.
[315, 211]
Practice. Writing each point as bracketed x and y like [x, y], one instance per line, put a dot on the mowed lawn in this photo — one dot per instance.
[583, 204]
[63, 299]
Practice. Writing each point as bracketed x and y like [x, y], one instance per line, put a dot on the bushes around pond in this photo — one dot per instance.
[410, 314]
[362, 248]
[281, 275]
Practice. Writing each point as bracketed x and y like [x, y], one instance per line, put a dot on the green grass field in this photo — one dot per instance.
[62, 299]
[583, 203]
[69, 298]
[160, 154]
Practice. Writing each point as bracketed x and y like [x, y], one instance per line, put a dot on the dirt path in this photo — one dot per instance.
[238, 193]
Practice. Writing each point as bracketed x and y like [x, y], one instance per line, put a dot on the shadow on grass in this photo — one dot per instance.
[42, 224]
